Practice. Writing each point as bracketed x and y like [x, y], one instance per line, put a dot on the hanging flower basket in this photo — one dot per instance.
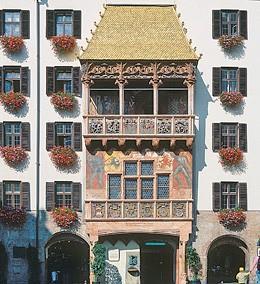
[65, 217]
[228, 42]
[13, 101]
[12, 43]
[232, 218]
[63, 43]
[13, 155]
[230, 156]
[231, 99]
[63, 157]
[13, 217]
[63, 101]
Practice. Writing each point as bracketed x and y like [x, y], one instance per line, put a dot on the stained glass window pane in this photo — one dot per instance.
[114, 184]
[130, 168]
[130, 188]
[147, 168]
[147, 188]
[163, 187]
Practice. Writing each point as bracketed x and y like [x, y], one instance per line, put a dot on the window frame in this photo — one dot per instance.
[228, 194]
[63, 70]
[229, 80]
[64, 13]
[229, 22]
[11, 69]
[63, 193]
[228, 135]
[12, 23]
[12, 193]
[64, 134]
[12, 135]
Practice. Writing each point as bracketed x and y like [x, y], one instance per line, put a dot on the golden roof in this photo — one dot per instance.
[139, 33]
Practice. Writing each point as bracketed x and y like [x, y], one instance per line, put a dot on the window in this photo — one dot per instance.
[12, 134]
[63, 79]
[228, 195]
[15, 23]
[63, 134]
[12, 82]
[12, 23]
[138, 181]
[229, 135]
[12, 194]
[229, 79]
[229, 22]
[63, 194]
[63, 22]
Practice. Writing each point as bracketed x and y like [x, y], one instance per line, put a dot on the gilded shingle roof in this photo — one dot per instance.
[139, 33]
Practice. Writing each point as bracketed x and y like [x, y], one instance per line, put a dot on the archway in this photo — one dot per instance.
[225, 256]
[68, 255]
[3, 264]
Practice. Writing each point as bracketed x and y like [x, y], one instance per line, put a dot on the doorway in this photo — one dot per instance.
[3, 265]
[224, 262]
[156, 263]
[69, 257]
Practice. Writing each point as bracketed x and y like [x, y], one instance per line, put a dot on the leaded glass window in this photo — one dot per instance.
[130, 168]
[146, 168]
[130, 188]
[162, 186]
[147, 188]
[114, 186]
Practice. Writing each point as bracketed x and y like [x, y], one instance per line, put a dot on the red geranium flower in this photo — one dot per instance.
[13, 101]
[63, 156]
[13, 155]
[231, 98]
[63, 43]
[230, 156]
[14, 217]
[12, 43]
[63, 101]
[64, 217]
[228, 42]
[232, 218]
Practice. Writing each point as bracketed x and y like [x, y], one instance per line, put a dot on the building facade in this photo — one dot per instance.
[145, 130]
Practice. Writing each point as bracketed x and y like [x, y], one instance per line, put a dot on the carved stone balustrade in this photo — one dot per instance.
[103, 210]
[139, 126]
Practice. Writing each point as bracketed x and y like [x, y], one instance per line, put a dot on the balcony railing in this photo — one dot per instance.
[134, 210]
[139, 126]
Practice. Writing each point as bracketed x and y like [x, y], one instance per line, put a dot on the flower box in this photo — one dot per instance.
[64, 217]
[13, 155]
[12, 43]
[13, 101]
[63, 43]
[63, 157]
[230, 156]
[232, 218]
[231, 99]
[13, 217]
[63, 101]
[228, 42]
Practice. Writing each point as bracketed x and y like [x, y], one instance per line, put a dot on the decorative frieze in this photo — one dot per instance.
[163, 210]
[130, 210]
[114, 210]
[98, 210]
[146, 210]
[179, 210]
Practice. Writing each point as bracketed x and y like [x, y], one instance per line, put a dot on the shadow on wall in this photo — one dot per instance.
[202, 99]
[20, 56]
[112, 275]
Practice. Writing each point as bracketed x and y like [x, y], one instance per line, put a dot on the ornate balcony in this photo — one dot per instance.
[103, 210]
[144, 127]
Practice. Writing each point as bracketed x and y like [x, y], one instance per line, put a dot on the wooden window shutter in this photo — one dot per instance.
[76, 196]
[1, 193]
[216, 194]
[243, 81]
[25, 23]
[76, 81]
[1, 22]
[50, 23]
[243, 196]
[50, 196]
[216, 24]
[216, 136]
[243, 24]
[1, 80]
[1, 134]
[216, 81]
[77, 136]
[25, 195]
[243, 137]
[50, 135]
[50, 80]
[77, 24]
[26, 136]
[25, 80]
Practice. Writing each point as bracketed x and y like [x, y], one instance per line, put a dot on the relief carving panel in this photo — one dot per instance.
[179, 210]
[114, 210]
[98, 210]
[130, 210]
[146, 210]
[163, 210]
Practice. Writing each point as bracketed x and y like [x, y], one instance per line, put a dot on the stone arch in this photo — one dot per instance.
[228, 248]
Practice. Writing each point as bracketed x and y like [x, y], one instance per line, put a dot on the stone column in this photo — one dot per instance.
[182, 262]
[86, 96]
[190, 83]
[156, 83]
[121, 82]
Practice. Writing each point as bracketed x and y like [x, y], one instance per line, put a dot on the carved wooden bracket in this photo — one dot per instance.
[172, 143]
[189, 142]
[104, 142]
[87, 141]
[138, 142]
[155, 143]
[121, 142]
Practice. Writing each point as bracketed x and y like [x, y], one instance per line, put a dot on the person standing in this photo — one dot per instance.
[256, 265]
